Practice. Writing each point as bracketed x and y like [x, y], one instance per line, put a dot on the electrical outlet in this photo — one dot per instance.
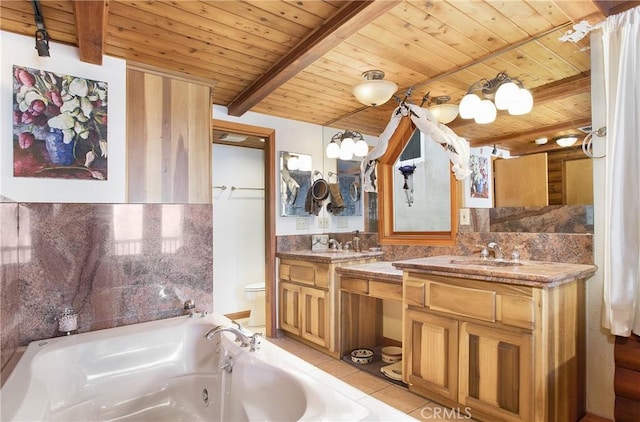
[302, 223]
[465, 216]
[343, 223]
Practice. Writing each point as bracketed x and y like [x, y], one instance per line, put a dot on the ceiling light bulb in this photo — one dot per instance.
[345, 154]
[333, 150]
[486, 112]
[361, 149]
[522, 104]
[469, 106]
[374, 90]
[505, 95]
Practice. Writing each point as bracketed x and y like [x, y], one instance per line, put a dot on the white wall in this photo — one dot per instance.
[238, 225]
[19, 50]
[303, 138]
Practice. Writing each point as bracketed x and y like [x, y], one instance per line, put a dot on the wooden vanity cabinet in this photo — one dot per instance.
[508, 352]
[309, 302]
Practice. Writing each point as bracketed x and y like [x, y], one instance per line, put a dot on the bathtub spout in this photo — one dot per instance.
[240, 336]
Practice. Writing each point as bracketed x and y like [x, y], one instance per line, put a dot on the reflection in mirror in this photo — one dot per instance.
[350, 191]
[295, 180]
[422, 187]
[431, 218]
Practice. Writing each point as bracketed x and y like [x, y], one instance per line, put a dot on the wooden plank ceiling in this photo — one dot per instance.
[300, 59]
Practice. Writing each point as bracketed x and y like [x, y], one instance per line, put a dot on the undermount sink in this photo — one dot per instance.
[486, 262]
[333, 251]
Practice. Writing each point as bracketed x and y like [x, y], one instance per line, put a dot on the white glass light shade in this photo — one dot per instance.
[304, 162]
[486, 112]
[347, 146]
[505, 95]
[374, 90]
[444, 113]
[293, 163]
[345, 154]
[469, 106]
[333, 150]
[567, 141]
[522, 104]
[361, 149]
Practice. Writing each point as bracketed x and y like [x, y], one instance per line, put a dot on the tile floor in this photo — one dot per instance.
[387, 392]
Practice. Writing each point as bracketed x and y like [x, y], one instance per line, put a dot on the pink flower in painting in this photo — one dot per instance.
[26, 139]
[25, 78]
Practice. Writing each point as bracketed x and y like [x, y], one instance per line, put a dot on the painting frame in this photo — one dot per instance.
[478, 187]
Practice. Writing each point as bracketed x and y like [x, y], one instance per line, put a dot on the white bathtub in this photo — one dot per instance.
[167, 371]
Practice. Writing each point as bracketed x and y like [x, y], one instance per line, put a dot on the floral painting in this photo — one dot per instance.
[478, 185]
[59, 125]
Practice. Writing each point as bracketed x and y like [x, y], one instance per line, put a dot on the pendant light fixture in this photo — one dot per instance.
[374, 90]
[345, 145]
[506, 92]
[442, 110]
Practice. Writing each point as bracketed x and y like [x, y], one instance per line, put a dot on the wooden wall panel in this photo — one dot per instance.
[556, 161]
[168, 139]
[627, 378]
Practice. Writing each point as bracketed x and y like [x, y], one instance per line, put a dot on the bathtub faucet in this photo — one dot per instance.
[253, 341]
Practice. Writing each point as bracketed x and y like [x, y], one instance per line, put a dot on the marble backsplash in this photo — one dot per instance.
[113, 264]
[553, 233]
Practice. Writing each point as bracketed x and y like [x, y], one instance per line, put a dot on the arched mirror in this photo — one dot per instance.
[416, 191]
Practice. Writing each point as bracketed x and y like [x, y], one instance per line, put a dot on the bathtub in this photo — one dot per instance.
[167, 371]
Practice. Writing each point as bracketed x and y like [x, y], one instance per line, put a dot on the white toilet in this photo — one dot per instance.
[254, 293]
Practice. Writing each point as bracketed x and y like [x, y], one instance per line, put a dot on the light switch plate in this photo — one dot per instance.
[465, 216]
[343, 223]
[302, 223]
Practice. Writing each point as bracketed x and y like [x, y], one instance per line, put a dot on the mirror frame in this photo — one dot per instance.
[386, 231]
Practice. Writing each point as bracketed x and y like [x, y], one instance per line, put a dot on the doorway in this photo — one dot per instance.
[264, 138]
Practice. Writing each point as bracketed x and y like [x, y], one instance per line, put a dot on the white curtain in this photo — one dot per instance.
[617, 42]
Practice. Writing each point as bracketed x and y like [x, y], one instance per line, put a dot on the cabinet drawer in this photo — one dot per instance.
[312, 274]
[464, 301]
[356, 285]
[414, 292]
[516, 310]
[385, 290]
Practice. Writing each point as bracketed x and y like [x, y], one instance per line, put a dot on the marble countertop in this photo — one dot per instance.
[328, 256]
[381, 269]
[528, 273]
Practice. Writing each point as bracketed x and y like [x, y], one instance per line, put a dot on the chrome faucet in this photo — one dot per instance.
[334, 244]
[497, 251]
[252, 341]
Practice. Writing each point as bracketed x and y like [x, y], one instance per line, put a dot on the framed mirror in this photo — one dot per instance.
[295, 181]
[416, 191]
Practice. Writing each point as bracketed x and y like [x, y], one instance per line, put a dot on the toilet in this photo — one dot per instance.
[254, 293]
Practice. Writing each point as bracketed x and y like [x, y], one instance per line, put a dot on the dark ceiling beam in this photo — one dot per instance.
[347, 21]
[91, 22]
[521, 143]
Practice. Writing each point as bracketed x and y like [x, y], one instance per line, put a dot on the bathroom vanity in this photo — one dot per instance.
[309, 307]
[506, 340]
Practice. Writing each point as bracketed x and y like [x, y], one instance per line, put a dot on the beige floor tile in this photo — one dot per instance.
[337, 368]
[400, 398]
[366, 383]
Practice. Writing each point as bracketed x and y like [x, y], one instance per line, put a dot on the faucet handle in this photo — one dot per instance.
[236, 324]
[255, 342]
[484, 252]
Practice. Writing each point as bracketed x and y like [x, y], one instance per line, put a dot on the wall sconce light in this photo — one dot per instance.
[351, 143]
[506, 92]
[442, 110]
[374, 90]
[566, 140]
[42, 37]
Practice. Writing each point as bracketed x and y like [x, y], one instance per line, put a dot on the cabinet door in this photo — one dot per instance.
[290, 307]
[314, 321]
[431, 354]
[496, 372]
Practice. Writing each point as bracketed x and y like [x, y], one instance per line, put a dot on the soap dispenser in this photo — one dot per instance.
[356, 241]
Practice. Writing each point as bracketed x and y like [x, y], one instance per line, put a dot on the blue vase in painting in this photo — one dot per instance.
[59, 152]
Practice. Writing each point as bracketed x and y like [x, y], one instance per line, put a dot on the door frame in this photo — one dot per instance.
[270, 207]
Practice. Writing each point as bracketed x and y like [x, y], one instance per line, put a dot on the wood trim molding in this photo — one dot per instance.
[347, 21]
[270, 208]
[179, 76]
[91, 21]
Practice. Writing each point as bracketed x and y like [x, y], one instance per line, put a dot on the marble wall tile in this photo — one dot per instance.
[115, 264]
